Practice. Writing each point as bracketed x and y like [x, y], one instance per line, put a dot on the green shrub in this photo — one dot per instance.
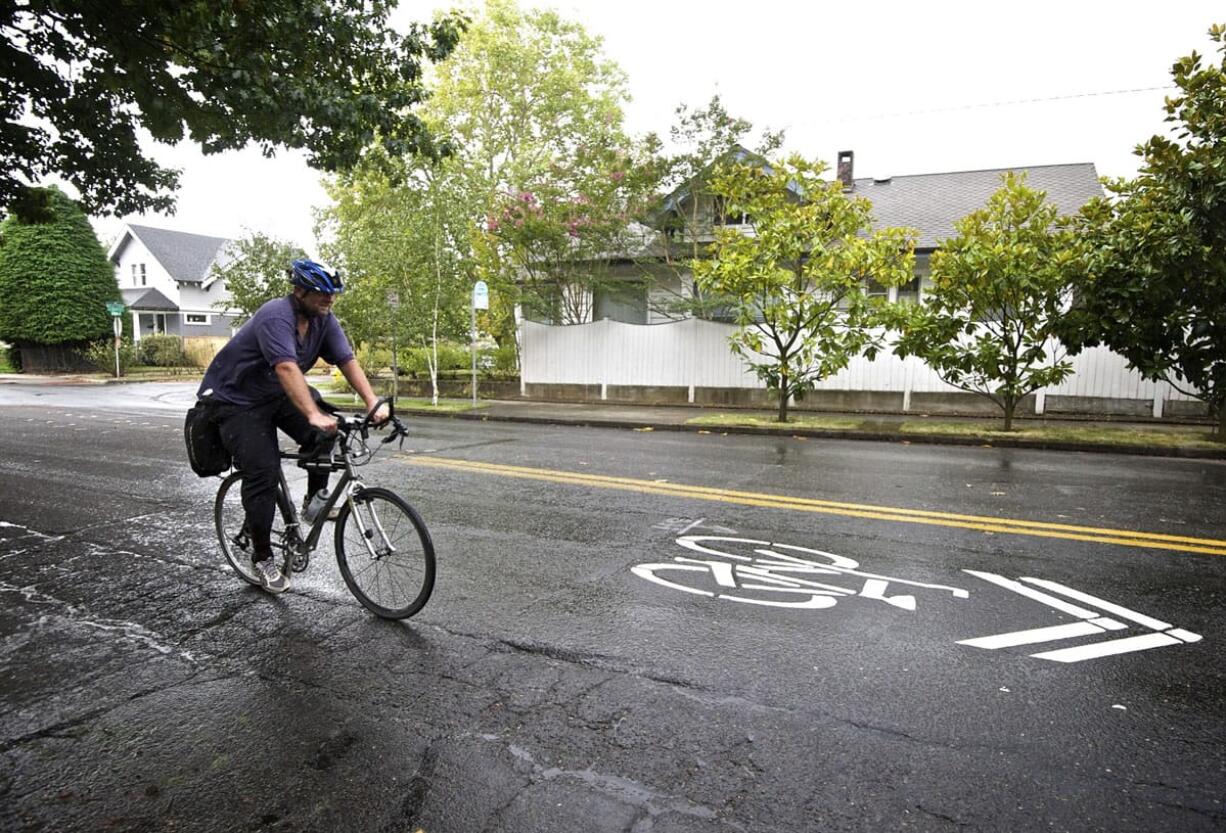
[373, 358]
[101, 354]
[161, 351]
[55, 278]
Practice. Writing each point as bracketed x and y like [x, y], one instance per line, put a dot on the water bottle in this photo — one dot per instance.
[315, 505]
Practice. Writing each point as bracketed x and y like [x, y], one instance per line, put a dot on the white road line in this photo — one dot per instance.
[1110, 607]
[1030, 637]
[1186, 636]
[1023, 590]
[1109, 648]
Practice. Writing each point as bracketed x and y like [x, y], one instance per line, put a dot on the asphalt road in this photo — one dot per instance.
[631, 631]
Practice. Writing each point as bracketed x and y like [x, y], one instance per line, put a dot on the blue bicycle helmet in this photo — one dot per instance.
[316, 277]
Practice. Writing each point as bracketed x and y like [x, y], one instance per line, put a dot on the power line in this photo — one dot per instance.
[988, 104]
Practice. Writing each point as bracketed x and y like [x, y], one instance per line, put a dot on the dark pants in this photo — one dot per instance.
[249, 433]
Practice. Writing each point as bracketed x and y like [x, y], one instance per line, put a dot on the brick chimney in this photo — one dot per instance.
[845, 169]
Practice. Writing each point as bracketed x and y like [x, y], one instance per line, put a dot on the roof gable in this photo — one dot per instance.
[185, 257]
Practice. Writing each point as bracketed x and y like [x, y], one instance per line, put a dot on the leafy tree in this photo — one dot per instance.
[55, 278]
[79, 79]
[406, 237]
[988, 326]
[254, 272]
[1154, 256]
[701, 139]
[530, 105]
[796, 281]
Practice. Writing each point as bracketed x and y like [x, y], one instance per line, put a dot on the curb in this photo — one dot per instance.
[866, 436]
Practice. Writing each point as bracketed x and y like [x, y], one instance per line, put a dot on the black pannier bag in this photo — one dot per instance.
[205, 451]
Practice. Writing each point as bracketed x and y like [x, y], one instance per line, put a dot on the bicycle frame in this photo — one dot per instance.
[344, 489]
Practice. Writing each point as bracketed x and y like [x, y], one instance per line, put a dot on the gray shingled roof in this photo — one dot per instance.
[931, 203]
[147, 300]
[186, 257]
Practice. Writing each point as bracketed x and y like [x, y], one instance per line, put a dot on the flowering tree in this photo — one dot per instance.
[561, 236]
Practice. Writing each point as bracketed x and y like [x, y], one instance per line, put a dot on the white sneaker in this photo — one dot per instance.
[270, 575]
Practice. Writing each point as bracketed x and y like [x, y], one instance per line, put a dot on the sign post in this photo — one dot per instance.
[393, 303]
[115, 308]
[481, 300]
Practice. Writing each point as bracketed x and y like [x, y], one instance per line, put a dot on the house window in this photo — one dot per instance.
[875, 289]
[142, 273]
[724, 218]
[196, 318]
[909, 292]
[626, 302]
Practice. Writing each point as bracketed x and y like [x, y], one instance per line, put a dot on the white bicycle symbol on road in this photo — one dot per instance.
[775, 577]
[784, 575]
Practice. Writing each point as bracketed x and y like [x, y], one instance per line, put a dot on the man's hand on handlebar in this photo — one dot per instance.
[323, 422]
[380, 415]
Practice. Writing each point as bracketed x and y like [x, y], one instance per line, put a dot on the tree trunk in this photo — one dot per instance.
[784, 394]
[1010, 407]
[1220, 434]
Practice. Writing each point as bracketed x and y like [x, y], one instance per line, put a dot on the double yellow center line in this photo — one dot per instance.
[1041, 529]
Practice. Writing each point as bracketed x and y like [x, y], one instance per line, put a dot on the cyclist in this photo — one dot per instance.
[255, 385]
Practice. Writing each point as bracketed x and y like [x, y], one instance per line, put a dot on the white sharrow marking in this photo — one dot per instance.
[1122, 612]
[1021, 589]
[1109, 648]
[1030, 637]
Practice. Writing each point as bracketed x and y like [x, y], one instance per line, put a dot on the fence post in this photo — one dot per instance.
[906, 386]
[1159, 399]
[1040, 402]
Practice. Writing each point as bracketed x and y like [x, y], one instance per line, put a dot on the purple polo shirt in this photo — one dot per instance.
[244, 371]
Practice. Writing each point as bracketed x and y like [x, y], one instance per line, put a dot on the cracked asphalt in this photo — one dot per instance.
[548, 686]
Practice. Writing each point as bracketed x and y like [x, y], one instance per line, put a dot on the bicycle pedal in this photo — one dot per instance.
[299, 563]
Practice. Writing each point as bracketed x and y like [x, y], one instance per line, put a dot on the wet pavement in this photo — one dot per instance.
[600, 654]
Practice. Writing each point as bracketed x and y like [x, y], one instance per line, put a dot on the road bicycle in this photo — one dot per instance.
[383, 548]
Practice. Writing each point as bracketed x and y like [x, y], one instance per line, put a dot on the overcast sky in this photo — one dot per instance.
[910, 87]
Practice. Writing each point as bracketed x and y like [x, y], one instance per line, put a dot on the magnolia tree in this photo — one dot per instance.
[988, 325]
[797, 281]
[1154, 256]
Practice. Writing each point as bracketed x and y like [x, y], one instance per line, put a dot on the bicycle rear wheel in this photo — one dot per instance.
[229, 519]
[385, 553]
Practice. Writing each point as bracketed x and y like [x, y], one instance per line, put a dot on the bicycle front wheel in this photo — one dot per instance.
[385, 553]
[230, 521]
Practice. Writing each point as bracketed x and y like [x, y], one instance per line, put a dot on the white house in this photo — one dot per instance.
[629, 352]
[164, 277]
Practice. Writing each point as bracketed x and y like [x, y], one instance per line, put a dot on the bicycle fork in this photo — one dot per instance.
[368, 529]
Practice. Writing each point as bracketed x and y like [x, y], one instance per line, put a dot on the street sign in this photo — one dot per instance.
[117, 326]
[481, 296]
[115, 308]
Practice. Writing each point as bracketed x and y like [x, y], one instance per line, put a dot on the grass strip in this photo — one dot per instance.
[1160, 436]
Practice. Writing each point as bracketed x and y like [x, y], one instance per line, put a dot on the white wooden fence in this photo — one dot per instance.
[694, 353]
